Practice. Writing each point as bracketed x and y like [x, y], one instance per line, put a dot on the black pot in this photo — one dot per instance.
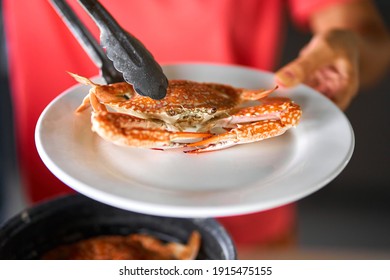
[75, 217]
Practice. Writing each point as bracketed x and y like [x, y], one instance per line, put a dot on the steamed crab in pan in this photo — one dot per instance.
[198, 116]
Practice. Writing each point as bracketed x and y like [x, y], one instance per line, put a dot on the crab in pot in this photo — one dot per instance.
[135, 246]
[199, 116]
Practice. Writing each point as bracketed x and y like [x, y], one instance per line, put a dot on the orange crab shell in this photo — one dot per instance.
[186, 104]
[191, 110]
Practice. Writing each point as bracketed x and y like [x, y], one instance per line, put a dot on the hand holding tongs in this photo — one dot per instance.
[129, 60]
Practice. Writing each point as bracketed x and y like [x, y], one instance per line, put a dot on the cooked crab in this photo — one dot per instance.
[190, 112]
[136, 246]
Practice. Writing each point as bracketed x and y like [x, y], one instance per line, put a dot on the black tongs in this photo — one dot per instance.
[125, 58]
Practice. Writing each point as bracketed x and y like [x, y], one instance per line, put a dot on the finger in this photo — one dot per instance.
[343, 97]
[327, 80]
[339, 82]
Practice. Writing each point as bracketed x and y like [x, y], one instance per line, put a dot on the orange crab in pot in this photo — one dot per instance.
[199, 116]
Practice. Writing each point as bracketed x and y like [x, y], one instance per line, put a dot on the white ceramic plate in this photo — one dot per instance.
[238, 180]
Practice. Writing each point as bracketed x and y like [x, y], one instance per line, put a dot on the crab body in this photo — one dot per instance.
[201, 116]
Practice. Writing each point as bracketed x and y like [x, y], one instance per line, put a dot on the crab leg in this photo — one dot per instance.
[242, 134]
[256, 94]
[253, 124]
[106, 93]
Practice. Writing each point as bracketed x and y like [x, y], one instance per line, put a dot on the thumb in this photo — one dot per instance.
[314, 56]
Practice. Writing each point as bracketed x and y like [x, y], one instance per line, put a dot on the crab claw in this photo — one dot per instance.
[188, 251]
[242, 134]
[252, 124]
[170, 250]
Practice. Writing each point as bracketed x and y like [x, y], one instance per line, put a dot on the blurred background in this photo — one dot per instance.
[347, 219]
[351, 215]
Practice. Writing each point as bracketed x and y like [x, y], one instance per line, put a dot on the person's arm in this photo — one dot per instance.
[350, 47]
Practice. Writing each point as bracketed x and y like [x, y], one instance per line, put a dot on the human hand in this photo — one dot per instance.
[329, 64]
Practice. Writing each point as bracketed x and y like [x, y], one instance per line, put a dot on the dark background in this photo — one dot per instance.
[353, 211]
[349, 218]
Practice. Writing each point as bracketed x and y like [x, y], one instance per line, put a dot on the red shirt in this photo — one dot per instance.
[41, 49]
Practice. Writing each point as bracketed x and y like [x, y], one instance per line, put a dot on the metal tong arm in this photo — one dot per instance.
[88, 42]
[129, 55]
[108, 25]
